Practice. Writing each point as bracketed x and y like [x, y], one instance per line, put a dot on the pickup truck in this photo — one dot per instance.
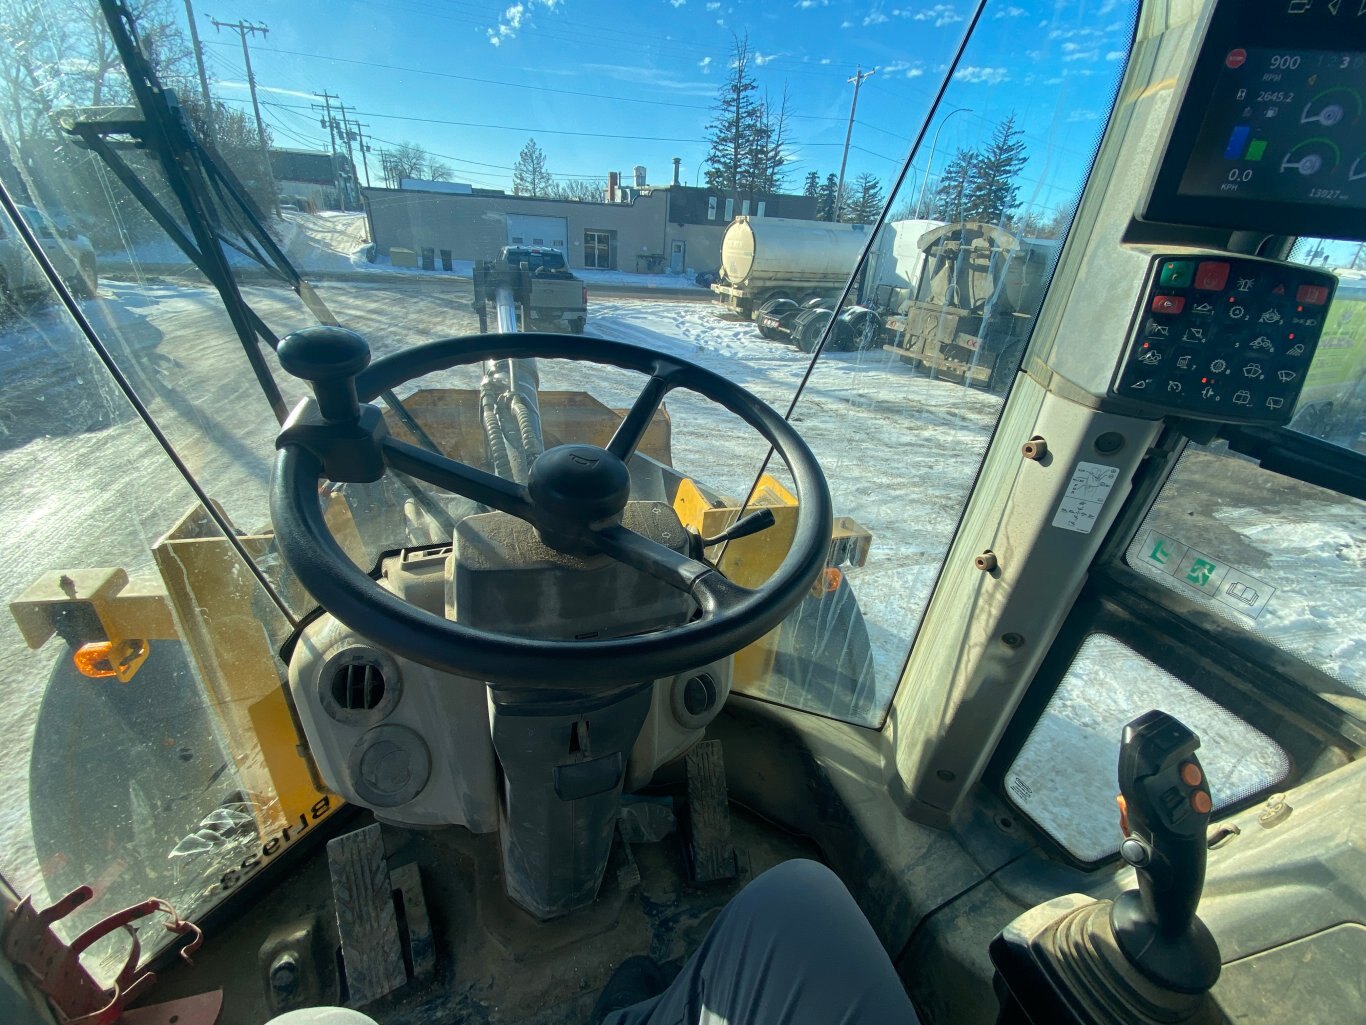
[21, 279]
[558, 300]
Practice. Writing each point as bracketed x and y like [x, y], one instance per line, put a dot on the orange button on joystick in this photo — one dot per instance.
[1191, 775]
[1201, 803]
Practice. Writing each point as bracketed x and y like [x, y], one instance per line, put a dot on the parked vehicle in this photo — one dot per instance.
[767, 258]
[978, 290]
[554, 299]
[22, 280]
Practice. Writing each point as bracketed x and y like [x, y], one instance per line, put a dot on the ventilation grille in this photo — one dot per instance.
[358, 686]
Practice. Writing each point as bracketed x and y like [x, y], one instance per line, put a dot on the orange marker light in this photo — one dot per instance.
[1200, 802]
[101, 659]
[1123, 814]
[1191, 775]
[828, 581]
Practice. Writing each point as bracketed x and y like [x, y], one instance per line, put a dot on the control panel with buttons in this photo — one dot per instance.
[1224, 338]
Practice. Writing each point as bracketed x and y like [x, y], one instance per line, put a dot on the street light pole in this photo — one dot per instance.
[929, 164]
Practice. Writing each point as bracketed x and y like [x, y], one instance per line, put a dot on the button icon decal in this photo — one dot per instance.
[1173, 386]
[1242, 398]
[1168, 303]
[1272, 316]
[1286, 376]
[1151, 357]
[1184, 362]
[1262, 343]
[1156, 330]
[1202, 310]
[1237, 313]
[1295, 350]
[1194, 334]
[1275, 402]
[1253, 370]
[1219, 366]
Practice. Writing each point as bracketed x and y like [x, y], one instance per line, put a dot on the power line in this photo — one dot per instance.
[536, 88]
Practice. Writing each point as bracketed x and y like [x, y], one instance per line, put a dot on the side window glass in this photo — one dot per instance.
[1269, 554]
[1107, 686]
[915, 368]
[1332, 405]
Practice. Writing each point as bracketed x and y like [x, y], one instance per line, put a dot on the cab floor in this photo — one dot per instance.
[494, 963]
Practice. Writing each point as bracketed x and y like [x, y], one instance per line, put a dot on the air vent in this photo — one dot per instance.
[358, 686]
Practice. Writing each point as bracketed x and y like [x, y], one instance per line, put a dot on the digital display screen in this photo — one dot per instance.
[1283, 125]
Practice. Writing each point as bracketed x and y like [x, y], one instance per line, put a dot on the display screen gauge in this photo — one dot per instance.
[1284, 125]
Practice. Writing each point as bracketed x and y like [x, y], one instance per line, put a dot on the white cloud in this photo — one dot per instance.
[677, 3]
[825, 60]
[705, 65]
[905, 69]
[1078, 116]
[1115, 55]
[806, 5]
[939, 14]
[714, 6]
[763, 58]
[875, 18]
[991, 76]
[1082, 55]
[1011, 12]
[846, 24]
[514, 18]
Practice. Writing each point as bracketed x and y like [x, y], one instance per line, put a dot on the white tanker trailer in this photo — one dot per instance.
[765, 258]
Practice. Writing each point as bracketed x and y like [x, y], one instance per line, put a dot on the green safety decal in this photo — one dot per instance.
[1233, 587]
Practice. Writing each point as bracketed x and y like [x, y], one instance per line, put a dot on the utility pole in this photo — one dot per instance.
[350, 154]
[859, 76]
[364, 148]
[243, 28]
[330, 123]
[203, 76]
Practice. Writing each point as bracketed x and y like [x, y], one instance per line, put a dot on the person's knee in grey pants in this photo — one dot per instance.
[792, 948]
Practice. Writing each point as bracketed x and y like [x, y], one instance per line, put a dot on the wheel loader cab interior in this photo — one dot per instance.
[996, 543]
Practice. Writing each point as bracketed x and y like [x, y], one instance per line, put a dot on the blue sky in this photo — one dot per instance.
[606, 86]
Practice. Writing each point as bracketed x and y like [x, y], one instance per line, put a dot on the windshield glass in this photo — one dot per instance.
[854, 212]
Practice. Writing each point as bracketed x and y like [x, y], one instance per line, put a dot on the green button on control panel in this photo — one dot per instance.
[1177, 273]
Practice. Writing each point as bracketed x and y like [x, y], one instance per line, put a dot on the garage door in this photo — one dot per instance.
[526, 230]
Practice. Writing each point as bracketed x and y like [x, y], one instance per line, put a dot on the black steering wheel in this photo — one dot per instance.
[574, 498]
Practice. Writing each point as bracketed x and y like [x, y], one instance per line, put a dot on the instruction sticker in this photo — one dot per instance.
[1085, 497]
[1226, 584]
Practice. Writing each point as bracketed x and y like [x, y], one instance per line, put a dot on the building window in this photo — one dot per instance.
[711, 208]
[744, 208]
[760, 211]
[597, 250]
[730, 209]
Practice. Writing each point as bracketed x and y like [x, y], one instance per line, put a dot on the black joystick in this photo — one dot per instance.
[328, 358]
[1166, 809]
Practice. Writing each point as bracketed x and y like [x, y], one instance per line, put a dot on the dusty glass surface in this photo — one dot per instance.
[1107, 686]
[1270, 554]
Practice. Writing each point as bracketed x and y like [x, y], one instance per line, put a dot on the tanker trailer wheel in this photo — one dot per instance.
[860, 329]
[808, 328]
[776, 307]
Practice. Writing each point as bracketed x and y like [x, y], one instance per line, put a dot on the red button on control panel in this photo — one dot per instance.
[1211, 276]
[1168, 303]
[1314, 295]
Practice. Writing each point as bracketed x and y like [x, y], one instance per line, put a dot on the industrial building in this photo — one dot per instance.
[638, 227]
